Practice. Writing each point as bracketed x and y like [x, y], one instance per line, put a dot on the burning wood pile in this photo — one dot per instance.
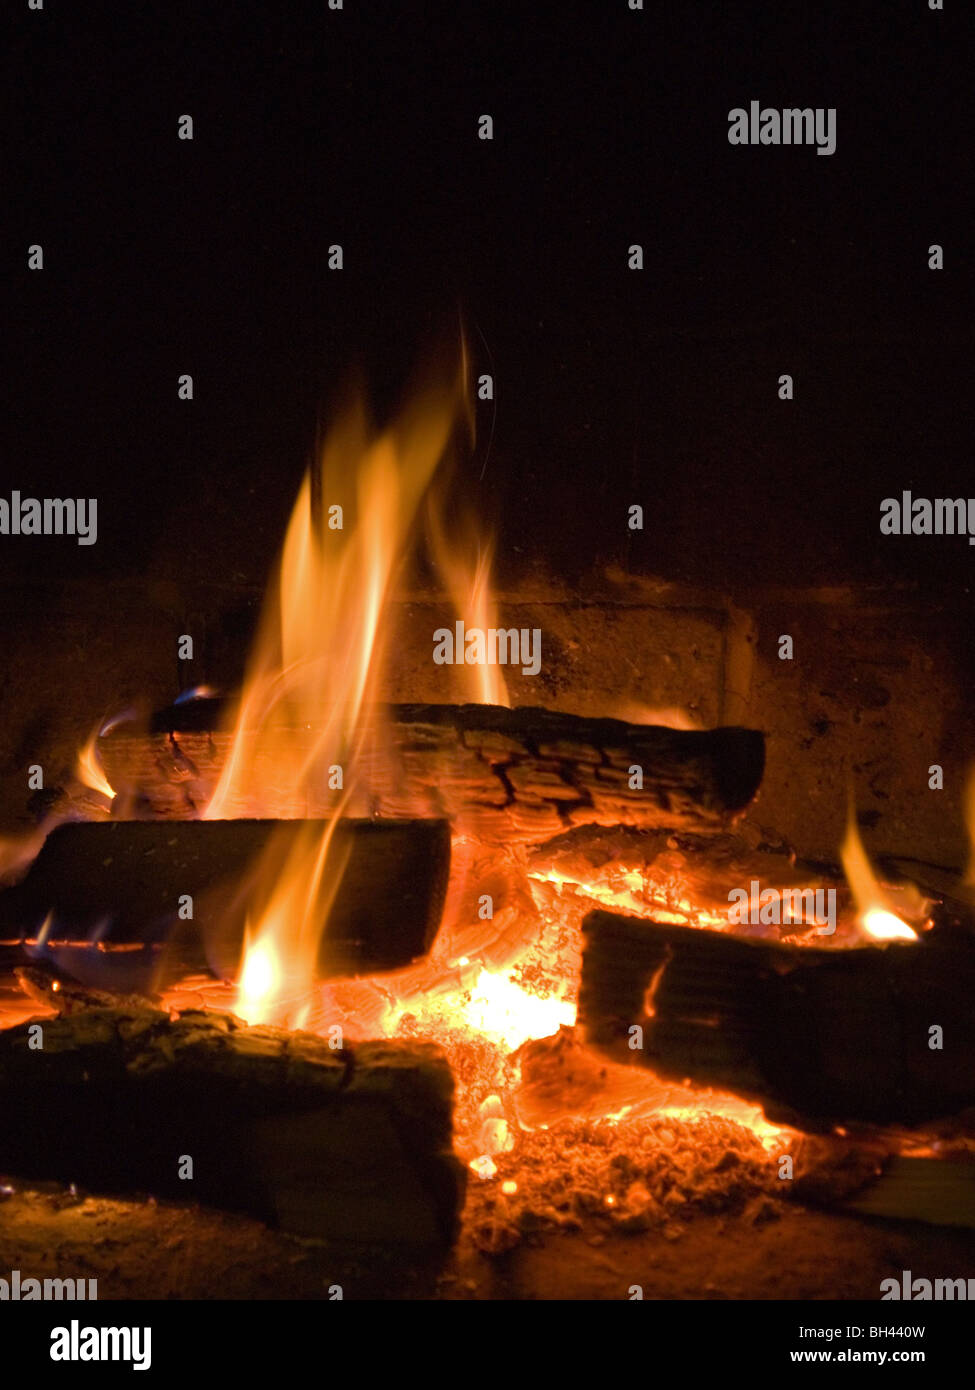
[328, 957]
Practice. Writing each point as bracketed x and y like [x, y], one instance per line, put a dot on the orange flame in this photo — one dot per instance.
[88, 768]
[469, 583]
[877, 908]
[301, 726]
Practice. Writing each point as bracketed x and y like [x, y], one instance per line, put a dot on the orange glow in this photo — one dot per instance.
[465, 566]
[664, 716]
[503, 1010]
[88, 768]
[305, 739]
[302, 721]
[495, 1006]
[878, 909]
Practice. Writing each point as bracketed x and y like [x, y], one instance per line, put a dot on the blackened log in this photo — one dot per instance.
[122, 881]
[511, 774]
[818, 1037]
[347, 1145]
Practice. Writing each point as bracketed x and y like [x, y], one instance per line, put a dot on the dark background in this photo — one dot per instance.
[359, 127]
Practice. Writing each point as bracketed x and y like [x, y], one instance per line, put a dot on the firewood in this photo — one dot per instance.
[653, 872]
[352, 1144]
[819, 1037]
[504, 774]
[122, 881]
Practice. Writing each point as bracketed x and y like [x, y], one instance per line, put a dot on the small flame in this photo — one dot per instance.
[876, 916]
[88, 768]
[465, 564]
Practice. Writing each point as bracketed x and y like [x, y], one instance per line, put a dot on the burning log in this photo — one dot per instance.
[125, 881]
[352, 1144]
[507, 774]
[881, 1035]
[685, 873]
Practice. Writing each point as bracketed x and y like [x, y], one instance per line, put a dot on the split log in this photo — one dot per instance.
[122, 881]
[347, 1145]
[508, 774]
[818, 1037]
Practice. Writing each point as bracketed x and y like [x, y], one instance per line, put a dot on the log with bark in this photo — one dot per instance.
[351, 1144]
[819, 1037]
[508, 774]
[128, 881]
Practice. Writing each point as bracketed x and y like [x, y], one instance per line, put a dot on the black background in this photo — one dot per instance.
[359, 127]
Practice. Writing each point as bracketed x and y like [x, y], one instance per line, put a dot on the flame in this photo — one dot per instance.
[876, 917]
[505, 1011]
[302, 720]
[88, 768]
[465, 566]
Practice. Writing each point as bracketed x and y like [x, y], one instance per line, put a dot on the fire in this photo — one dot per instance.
[501, 1009]
[259, 979]
[306, 709]
[876, 915]
[465, 566]
[88, 768]
[495, 1005]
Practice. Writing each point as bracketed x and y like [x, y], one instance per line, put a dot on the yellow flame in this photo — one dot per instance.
[876, 917]
[464, 561]
[88, 768]
[301, 723]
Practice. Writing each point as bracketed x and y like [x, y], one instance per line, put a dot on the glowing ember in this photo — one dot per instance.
[501, 1009]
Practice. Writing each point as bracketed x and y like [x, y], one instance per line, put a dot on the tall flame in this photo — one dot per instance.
[301, 725]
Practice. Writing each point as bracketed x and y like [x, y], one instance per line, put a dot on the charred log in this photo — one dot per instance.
[505, 773]
[819, 1037]
[124, 881]
[349, 1145]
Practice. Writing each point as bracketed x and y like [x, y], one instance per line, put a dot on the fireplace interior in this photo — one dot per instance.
[443, 994]
[502, 827]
